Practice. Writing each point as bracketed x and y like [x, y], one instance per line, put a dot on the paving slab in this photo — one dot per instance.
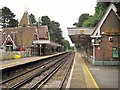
[107, 77]
[80, 76]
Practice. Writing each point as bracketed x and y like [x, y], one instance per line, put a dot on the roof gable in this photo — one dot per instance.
[9, 39]
[23, 37]
[97, 29]
[43, 32]
[25, 20]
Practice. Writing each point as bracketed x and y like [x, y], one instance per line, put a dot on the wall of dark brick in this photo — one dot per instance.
[105, 51]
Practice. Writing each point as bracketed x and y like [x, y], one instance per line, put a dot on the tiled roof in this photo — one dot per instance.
[43, 32]
[25, 20]
[25, 33]
[22, 36]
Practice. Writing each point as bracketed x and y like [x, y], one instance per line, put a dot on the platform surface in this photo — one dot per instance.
[84, 75]
[80, 76]
[14, 62]
[107, 77]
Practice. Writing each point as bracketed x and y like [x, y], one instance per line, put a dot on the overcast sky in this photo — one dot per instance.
[66, 12]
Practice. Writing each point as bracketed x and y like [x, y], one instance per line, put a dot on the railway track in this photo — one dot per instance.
[8, 73]
[47, 75]
[43, 70]
[59, 79]
[40, 65]
[39, 82]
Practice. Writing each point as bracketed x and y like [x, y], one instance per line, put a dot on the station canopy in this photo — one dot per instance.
[80, 35]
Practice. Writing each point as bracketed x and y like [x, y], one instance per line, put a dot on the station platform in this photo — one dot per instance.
[107, 77]
[80, 76]
[15, 62]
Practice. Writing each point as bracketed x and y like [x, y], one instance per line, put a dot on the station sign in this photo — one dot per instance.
[112, 32]
[82, 31]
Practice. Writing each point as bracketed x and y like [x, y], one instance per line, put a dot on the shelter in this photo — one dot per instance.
[81, 35]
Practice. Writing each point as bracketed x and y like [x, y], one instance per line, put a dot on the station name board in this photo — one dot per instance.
[112, 32]
[82, 31]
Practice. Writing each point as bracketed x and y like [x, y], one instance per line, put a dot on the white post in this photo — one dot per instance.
[40, 49]
[93, 54]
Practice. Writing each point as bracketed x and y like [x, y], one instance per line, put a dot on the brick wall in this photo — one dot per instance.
[111, 24]
[104, 51]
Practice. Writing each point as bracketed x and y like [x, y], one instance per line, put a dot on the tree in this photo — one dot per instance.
[81, 19]
[78, 45]
[45, 20]
[8, 18]
[66, 44]
[54, 29]
[33, 20]
[117, 4]
[56, 32]
[87, 20]
[99, 12]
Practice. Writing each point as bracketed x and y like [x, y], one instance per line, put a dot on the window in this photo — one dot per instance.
[115, 52]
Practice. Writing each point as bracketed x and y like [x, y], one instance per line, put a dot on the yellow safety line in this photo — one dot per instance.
[8, 64]
[90, 74]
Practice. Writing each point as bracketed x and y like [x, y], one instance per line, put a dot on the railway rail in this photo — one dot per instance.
[59, 79]
[41, 64]
[43, 71]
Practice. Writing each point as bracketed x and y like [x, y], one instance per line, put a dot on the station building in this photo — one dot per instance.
[35, 39]
[102, 45]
